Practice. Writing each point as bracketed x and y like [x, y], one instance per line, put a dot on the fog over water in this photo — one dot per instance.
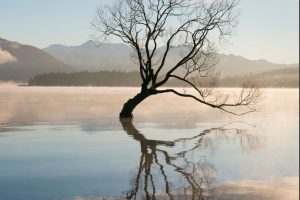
[68, 143]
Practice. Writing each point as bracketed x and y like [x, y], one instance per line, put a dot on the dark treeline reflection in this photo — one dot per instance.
[152, 180]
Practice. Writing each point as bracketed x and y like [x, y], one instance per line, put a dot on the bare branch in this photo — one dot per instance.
[249, 96]
[192, 26]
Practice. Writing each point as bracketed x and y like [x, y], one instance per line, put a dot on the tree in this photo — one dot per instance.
[153, 28]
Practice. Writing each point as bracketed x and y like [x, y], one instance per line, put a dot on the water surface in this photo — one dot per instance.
[68, 143]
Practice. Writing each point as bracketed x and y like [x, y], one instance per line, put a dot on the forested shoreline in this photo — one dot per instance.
[132, 79]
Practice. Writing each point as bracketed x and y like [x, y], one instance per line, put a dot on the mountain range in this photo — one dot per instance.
[288, 77]
[91, 56]
[21, 62]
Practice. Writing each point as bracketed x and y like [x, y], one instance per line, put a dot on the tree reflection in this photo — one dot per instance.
[198, 175]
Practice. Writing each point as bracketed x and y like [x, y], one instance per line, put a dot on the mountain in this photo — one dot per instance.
[232, 65]
[288, 77]
[293, 71]
[109, 56]
[94, 57]
[21, 62]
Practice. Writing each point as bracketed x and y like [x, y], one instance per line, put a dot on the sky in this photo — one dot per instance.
[268, 29]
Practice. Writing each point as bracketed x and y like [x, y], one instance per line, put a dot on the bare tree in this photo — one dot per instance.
[190, 25]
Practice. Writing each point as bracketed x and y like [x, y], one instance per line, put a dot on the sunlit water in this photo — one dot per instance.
[68, 143]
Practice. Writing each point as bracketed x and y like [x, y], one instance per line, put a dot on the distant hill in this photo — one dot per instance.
[108, 57]
[94, 57]
[288, 77]
[21, 62]
[232, 65]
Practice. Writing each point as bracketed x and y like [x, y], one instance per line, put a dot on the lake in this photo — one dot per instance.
[68, 143]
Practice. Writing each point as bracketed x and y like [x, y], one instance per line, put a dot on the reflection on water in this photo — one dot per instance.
[199, 175]
[68, 143]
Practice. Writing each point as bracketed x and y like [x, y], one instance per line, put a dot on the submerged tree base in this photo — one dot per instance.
[126, 116]
[130, 105]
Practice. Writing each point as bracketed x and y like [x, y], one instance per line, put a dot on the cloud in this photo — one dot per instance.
[6, 57]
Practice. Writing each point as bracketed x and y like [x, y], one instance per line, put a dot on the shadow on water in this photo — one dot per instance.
[199, 175]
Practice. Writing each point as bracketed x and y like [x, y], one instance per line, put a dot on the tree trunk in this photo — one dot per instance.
[130, 105]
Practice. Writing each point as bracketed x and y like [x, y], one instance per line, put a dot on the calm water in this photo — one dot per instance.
[68, 143]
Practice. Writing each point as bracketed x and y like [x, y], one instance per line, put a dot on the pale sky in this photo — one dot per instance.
[268, 29]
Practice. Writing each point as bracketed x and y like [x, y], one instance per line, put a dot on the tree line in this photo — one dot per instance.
[85, 78]
[132, 79]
